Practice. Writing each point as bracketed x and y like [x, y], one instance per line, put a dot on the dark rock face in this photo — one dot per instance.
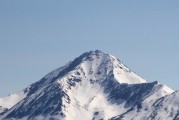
[43, 103]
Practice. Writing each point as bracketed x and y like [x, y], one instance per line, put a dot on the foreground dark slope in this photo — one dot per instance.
[94, 86]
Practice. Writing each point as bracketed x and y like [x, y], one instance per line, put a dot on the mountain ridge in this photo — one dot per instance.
[78, 87]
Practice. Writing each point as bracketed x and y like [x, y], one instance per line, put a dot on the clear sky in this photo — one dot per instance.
[38, 36]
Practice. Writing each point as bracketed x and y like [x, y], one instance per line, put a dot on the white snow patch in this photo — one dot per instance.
[123, 74]
[11, 100]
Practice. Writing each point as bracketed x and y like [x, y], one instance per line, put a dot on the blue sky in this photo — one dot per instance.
[38, 36]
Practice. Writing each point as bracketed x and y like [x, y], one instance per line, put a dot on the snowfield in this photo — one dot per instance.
[94, 86]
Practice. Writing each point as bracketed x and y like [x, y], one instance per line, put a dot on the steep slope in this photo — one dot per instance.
[164, 108]
[146, 109]
[93, 86]
[1, 109]
[167, 107]
[11, 100]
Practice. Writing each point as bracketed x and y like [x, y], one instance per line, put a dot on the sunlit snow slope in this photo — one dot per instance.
[94, 86]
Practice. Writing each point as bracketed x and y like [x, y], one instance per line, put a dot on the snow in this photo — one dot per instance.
[54, 73]
[99, 62]
[148, 108]
[169, 106]
[1, 109]
[84, 96]
[87, 99]
[123, 74]
[166, 90]
[11, 100]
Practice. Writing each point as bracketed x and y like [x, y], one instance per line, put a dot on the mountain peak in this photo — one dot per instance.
[97, 65]
[91, 54]
[97, 51]
[93, 86]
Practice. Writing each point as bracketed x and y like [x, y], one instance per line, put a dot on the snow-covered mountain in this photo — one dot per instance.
[94, 86]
